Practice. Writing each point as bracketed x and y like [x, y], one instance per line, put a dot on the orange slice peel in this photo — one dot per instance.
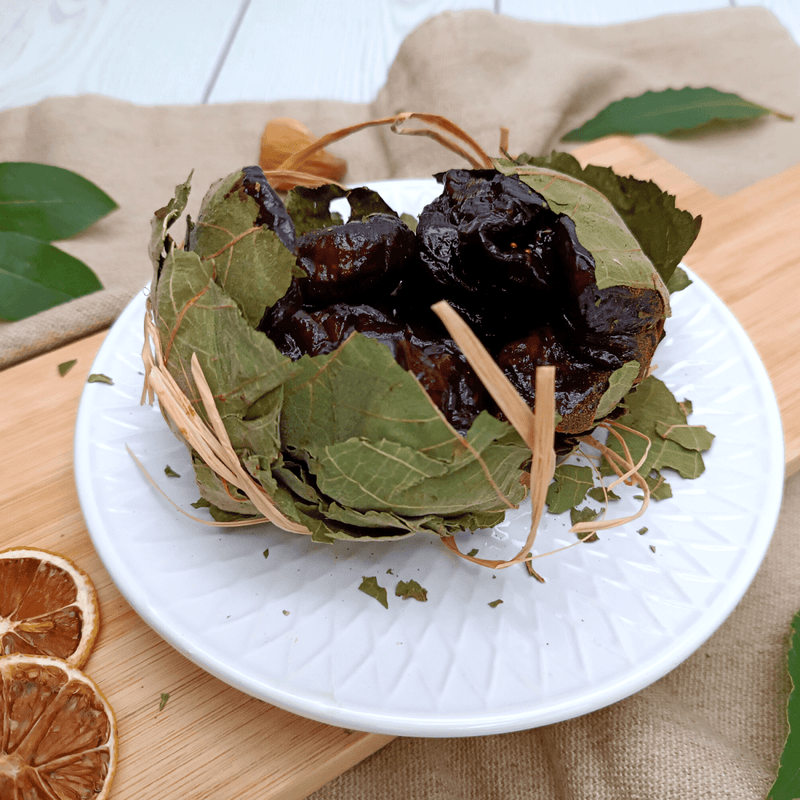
[48, 606]
[59, 739]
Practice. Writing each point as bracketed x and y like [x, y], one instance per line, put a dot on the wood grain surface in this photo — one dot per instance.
[212, 741]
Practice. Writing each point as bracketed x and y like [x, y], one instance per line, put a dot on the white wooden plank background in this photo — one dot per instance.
[197, 51]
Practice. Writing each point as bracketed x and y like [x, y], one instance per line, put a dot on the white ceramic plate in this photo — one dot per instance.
[294, 630]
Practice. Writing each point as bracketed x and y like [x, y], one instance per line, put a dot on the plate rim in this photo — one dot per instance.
[407, 724]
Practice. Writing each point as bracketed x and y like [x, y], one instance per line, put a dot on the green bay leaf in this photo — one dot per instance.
[787, 781]
[649, 406]
[692, 437]
[48, 203]
[35, 275]
[669, 111]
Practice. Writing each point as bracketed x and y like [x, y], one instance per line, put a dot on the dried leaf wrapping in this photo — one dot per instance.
[664, 232]
[348, 444]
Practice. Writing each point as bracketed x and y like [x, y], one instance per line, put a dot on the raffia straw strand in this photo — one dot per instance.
[212, 445]
[300, 178]
[535, 427]
[211, 522]
[481, 159]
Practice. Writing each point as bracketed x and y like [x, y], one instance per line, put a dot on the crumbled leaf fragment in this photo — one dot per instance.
[409, 220]
[369, 585]
[642, 531]
[787, 782]
[586, 514]
[659, 488]
[678, 281]
[411, 589]
[472, 553]
[601, 496]
[164, 698]
[653, 547]
[170, 473]
[286, 613]
[495, 603]
[266, 553]
[532, 572]
[98, 377]
[569, 487]
[66, 366]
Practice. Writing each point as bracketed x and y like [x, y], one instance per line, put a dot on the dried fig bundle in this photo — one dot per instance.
[343, 397]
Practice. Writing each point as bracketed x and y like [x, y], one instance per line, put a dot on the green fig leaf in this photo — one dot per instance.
[586, 514]
[601, 496]
[659, 488]
[668, 112]
[249, 262]
[98, 377]
[618, 256]
[664, 232]
[241, 365]
[48, 203]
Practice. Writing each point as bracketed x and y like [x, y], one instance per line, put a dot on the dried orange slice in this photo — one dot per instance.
[48, 606]
[59, 734]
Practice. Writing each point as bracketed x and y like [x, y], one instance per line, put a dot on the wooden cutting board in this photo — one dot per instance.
[212, 741]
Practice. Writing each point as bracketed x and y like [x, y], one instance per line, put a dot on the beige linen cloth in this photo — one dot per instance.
[712, 728]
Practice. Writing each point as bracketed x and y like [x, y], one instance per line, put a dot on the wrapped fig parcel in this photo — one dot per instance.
[342, 396]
